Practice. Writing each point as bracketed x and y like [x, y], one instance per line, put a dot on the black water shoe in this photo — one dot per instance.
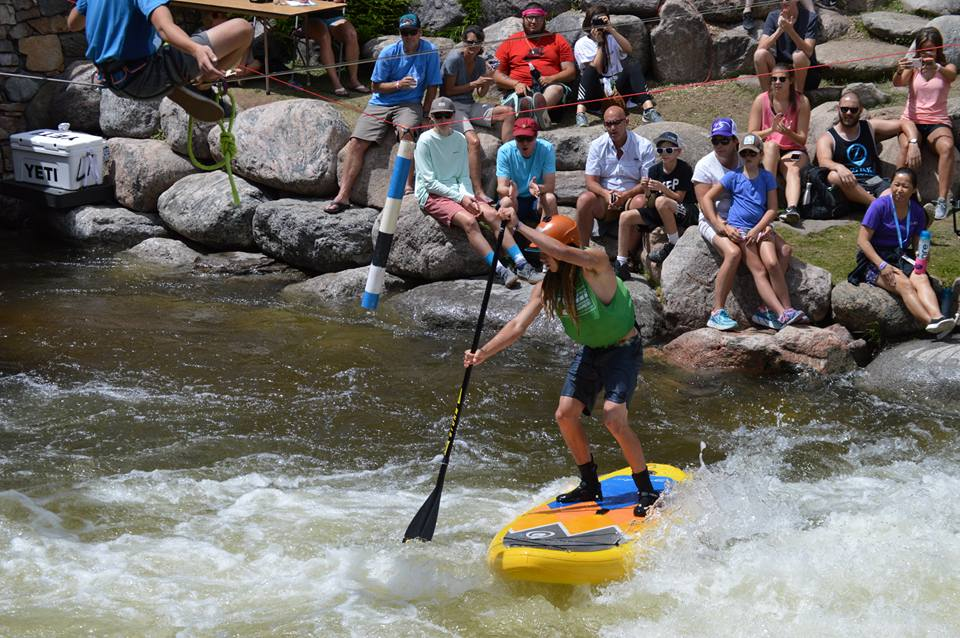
[204, 105]
[645, 500]
[583, 493]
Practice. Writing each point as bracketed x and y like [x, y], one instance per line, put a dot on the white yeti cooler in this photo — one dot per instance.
[63, 159]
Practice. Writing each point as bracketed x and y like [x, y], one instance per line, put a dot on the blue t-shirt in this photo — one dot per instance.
[119, 29]
[520, 169]
[749, 197]
[881, 217]
[393, 64]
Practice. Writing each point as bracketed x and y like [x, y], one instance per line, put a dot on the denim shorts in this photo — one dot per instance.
[613, 369]
[156, 75]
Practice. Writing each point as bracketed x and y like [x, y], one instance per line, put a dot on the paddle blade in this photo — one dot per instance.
[425, 521]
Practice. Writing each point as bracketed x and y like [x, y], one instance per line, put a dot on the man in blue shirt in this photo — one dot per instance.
[123, 42]
[405, 80]
[790, 37]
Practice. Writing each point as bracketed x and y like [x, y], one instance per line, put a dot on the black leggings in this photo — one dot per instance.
[628, 81]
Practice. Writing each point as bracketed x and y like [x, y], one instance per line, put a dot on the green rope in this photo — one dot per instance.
[228, 147]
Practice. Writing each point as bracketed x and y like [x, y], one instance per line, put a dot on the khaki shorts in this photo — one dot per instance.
[469, 115]
[376, 121]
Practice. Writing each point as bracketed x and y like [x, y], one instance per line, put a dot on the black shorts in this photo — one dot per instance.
[927, 129]
[153, 76]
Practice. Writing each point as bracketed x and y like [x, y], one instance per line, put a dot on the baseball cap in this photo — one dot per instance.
[409, 21]
[751, 141]
[668, 136]
[723, 126]
[525, 126]
[442, 105]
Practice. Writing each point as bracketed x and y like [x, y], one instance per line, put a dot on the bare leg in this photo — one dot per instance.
[791, 172]
[475, 238]
[760, 278]
[352, 164]
[770, 258]
[854, 193]
[800, 65]
[627, 231]
[345, 33]
[506, 115]
[230, 40]
[667, 209]
[771, 156]
[928, 298]
[473, 159]
[943, 145]
[727, 273]
[763, 62]
[548, 205]
[615, 418]
[490, 216]
[318, 32]
[905, 290]
[589, 207]
[568, 419]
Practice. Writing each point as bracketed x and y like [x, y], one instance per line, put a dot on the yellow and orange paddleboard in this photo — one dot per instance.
[584, 543]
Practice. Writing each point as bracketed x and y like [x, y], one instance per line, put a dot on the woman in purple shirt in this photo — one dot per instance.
[890, 229]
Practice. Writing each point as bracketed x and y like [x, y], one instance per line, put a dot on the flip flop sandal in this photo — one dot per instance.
[333, 208]
[341, 92]
[360, 89]
[202, 105]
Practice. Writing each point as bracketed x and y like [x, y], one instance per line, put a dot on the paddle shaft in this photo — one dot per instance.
[425, 521]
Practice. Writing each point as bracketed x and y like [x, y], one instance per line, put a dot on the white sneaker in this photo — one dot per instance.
[941, 209]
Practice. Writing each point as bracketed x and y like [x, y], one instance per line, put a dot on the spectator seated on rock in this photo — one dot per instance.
[122, 41]
[749, 24]
[605, 69]
[536, 68]
[850, 153]
[928, 77]
[444, 192]
[527, 179]
[780, 116]
[405, 80]
[891, 229]
[616, 162]
[670, 191]
[713, 217]
[324, 29]
[789, 37]
[465, 72]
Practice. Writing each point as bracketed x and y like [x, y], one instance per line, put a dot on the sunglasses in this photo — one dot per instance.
[748, 153]
[612, 123]
[442, 116]
[406, 33]
[720, 141]
[523, 139]
[778, 78]
[850, 109]
[669, 150]
[473, 43]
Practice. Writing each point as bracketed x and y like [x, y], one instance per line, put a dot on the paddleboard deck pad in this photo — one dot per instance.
[583, 543]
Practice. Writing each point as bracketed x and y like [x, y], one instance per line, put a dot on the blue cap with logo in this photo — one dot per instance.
[723, 126]
[409, 21]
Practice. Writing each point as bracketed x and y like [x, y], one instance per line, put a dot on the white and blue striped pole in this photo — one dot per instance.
[388, 224]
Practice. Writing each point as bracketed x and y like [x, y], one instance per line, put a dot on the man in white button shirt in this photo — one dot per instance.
[616, 163]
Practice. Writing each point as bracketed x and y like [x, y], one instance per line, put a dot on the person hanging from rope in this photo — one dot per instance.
[597, 312]
[122, 43]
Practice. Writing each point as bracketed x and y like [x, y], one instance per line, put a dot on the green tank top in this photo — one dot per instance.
[601, 325]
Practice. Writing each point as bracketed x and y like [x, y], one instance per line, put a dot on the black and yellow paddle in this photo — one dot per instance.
[423, 524]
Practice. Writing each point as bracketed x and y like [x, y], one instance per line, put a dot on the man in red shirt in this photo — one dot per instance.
[535, 67]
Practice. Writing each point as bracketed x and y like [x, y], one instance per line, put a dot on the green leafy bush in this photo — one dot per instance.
[374, 18]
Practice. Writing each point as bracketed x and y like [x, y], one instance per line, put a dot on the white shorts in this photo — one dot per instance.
[706, 230]
[467, 115]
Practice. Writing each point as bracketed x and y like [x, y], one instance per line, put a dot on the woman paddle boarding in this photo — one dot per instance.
[596, 311]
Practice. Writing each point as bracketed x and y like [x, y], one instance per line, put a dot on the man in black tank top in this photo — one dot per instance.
[849, 150]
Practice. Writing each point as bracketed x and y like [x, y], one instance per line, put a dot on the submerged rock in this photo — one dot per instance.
[924, 371]
[344, 287]
[164, 252]
[238, 263]
[104, 224]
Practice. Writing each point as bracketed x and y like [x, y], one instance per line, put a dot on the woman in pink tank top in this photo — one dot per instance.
[781, 117]
[928, 78]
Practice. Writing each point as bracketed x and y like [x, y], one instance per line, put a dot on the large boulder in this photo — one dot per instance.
[122, 117]
[163, 252]
[142, 170]
[200, 207]
[949, 28]
[571, 145]
[833, 26]
[423, 249]
[635, 31]
[923, 372]
[299, 232]
[871, 310]
[822, 118]
[338, 288]
[500, 30]
[849, 60]
[438, 14]
[174, 124]
[824, 350]
[680, 22]
[639, 8]
[689, 275]
[932, 7]
[106, 224]
[372, 48]
[892, 26]
[569, 186]
[870, 95]
[77, 104]
[494, 10]
[724, 11]
[733, 53]
[568, 24]
[290, 145]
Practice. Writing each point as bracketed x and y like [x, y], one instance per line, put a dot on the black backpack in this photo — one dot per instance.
[824, 202]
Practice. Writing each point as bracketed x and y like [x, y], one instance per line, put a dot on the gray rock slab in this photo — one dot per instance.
[571, 145]
[77, 104]
[163, 252]
[20, 89]
[500, 30]
[920, 372]
[871, 310]
[833, 26]
[892, 26]
[200, 207]
[339, 288]
[639, 8]
[244, 264]
[438, 14]
[870, 95]
[298, 232]
[680, 22]
[142, 170]
[689, 275]
[494, 10]
[932, 8]
[290, 145]
[174, 124]
[373, 182]
[104, 224]
[733, 51]
[858, 60]
[568, 24]
[371, 48]
[569, 186]
[949, 27]
[122, 117]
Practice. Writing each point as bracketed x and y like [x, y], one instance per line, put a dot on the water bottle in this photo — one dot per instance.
[807, 194]
[63, 126]
[923, 253]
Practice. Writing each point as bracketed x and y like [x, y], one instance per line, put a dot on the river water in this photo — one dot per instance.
[192, 456]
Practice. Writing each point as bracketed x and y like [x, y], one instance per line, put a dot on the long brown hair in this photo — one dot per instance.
[788, 69]
[929, 37]
[560, 291]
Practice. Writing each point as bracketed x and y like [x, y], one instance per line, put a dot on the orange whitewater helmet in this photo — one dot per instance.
[561, 228]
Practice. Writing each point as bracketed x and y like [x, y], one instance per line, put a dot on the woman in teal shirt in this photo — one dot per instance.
[597, 312]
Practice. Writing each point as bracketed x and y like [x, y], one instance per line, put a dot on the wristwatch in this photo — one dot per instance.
[912, 140]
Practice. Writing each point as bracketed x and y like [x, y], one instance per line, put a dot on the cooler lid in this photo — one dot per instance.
[53, 139]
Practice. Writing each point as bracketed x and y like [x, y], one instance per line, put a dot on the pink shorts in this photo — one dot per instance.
[442, 209]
